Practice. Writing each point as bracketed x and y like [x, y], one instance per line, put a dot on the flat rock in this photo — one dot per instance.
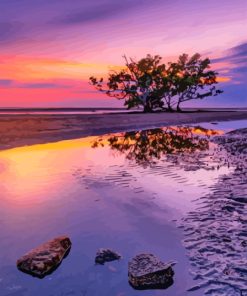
[146, 271]
[106, 255]
[45, 258]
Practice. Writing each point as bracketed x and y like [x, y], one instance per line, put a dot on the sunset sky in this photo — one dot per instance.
[49, 48]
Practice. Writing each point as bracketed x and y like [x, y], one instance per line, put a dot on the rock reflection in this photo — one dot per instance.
[148, 146]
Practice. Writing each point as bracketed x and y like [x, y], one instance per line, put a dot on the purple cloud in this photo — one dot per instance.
[236, 55]
[239, 51]
[100, 11]
[41, 85]
[6, 82]
[32, 85]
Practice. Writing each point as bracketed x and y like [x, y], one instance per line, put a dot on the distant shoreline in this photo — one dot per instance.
[97, 110]
[20, 130]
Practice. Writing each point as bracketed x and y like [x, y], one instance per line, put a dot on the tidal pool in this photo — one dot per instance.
[133, 192]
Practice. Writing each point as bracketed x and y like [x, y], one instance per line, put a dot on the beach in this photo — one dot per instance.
[18, 130]
[173, 185]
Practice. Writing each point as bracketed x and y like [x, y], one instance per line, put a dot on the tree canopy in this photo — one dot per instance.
[152, 84]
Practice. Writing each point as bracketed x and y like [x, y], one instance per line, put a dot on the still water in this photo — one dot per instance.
[132, 192]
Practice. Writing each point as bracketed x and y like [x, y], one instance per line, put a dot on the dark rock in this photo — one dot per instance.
[228, 208]
[241, 199]
[244, 243]
[226, 239]
[45, 258]
[106, 255]
[146, 271]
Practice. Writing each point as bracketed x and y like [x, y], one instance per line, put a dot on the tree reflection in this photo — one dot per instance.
[146, 146]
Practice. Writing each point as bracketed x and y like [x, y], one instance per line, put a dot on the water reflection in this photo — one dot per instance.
[104, 201]
[148, 146]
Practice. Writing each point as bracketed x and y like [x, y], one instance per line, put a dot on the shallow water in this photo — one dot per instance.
[109, 196]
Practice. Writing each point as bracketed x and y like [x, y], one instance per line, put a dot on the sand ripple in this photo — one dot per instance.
[216, 233]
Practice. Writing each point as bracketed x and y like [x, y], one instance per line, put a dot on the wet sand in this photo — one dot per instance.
[19, 130]
[215, 232]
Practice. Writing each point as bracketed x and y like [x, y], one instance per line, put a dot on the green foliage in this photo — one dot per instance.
[152, 84]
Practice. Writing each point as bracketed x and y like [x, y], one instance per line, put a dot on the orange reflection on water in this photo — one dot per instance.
[30, 171]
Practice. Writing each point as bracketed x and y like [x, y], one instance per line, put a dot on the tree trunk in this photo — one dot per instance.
[178, 107]
[169, 108]
[147, 108]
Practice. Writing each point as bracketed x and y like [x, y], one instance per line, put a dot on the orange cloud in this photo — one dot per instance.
[29, 69]
[223, 79]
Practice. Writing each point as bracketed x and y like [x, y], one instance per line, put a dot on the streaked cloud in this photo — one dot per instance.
[235, 63]
[236, 54]
[103, 10]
